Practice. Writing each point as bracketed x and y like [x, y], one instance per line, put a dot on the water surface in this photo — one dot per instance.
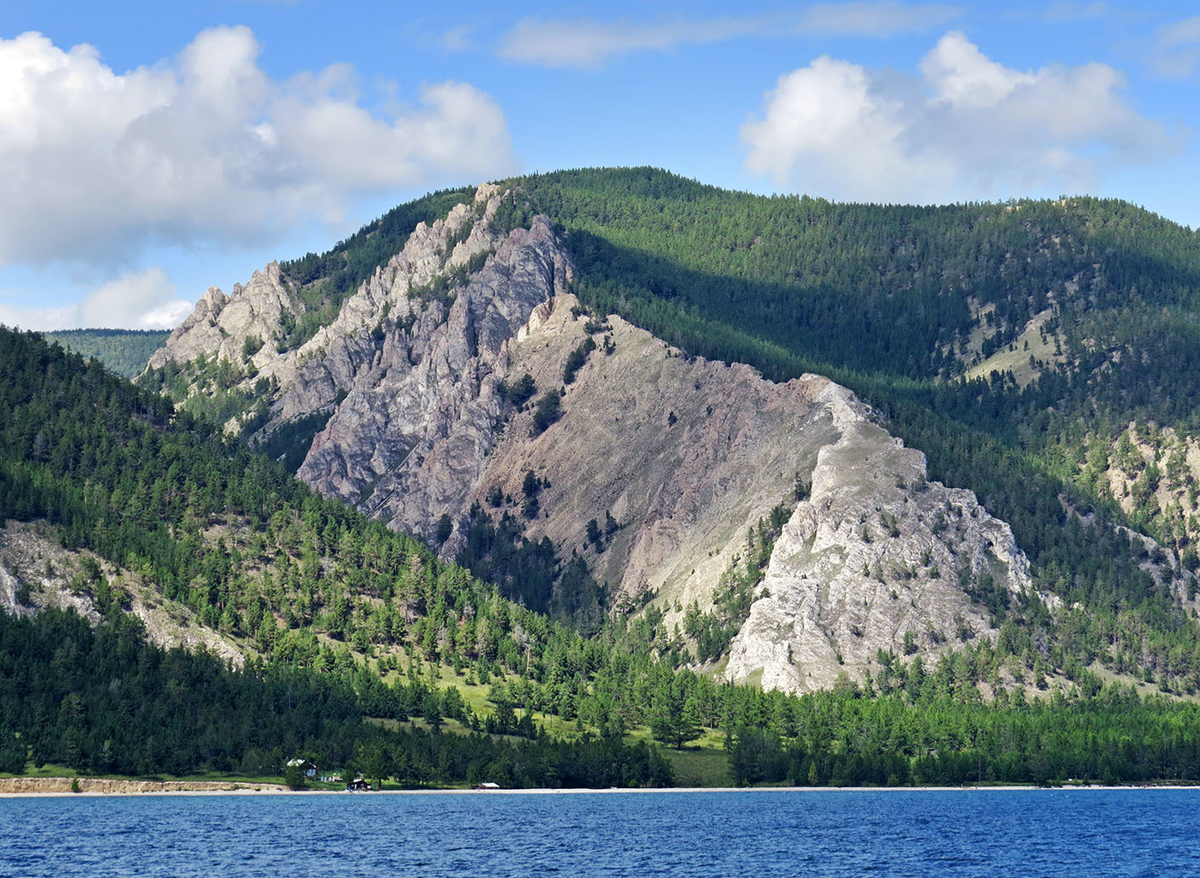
[754, 833]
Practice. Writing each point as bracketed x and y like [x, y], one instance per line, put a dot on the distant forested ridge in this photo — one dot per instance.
[124, 351]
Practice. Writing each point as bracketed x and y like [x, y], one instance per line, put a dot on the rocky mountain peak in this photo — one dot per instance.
[221, 325]
[419, 412]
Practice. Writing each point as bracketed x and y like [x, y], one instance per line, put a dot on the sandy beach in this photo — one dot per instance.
[27, 787]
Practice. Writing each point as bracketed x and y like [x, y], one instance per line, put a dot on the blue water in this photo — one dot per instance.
[793, 833]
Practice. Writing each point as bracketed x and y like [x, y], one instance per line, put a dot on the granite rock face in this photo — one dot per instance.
[877, 558]
[408, 369]
[684, 454]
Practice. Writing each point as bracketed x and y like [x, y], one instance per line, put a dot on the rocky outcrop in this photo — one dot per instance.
[407, 371]
[877, 558]
[684, 454]
[37, 573]
[221, 325]
[419, 414]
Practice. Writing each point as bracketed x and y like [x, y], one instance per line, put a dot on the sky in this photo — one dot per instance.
[150, 150]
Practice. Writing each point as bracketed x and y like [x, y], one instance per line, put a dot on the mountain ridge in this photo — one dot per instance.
[343, 370]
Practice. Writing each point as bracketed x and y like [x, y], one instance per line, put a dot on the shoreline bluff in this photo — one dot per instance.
[105, 786]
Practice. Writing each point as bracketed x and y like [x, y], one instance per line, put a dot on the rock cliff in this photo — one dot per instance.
[420, 412]
[684, 454]
[37, 573]
[220, 325]
[877, 558]
[406, 372]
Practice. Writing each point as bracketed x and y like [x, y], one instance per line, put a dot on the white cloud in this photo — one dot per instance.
[38, 318]
[1182, 33]
[585, 42]
[966, 128]
[1178, 51]
[1069, 12]
[588, 43]
[207, 147]
[880, 19]
[458, 38]
[137, 300]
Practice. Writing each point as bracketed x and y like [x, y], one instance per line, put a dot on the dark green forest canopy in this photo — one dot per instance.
[869, 288]
[125, 351]
[105, 701]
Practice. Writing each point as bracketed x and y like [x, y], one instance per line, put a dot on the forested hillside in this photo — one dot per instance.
[897, 302]
[343, 619]
[125, 351]
[901, 304]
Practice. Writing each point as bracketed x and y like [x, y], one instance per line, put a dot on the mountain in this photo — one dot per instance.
[493, 386]
[430, 423]
[360, 649]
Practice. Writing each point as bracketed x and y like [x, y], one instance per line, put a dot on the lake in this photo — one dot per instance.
[755, 833]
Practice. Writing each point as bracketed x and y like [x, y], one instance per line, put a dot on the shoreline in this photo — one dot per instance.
[113, 788]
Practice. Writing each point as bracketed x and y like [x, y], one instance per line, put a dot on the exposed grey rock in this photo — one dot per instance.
[220, 324]
[873, 553]
[686, 454]
[31, 556]
[418, 421]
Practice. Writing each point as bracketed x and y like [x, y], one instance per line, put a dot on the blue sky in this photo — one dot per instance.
[156, 150]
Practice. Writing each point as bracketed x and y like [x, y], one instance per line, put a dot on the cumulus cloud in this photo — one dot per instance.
[588, 43]
[966, 128]
[1178, 51]
[206, 147]
[137, 300]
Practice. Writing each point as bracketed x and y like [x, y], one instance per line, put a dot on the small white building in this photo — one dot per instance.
[306, 768]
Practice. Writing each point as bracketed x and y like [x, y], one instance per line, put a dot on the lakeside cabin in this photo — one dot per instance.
[487, 785]
[358, 785]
